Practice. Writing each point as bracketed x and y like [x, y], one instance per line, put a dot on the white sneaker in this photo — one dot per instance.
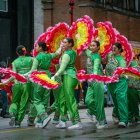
[101, 125]
[92, 117]
[115, 120]
[122, 125]
[38, 125]
[61, 125]
[46, 122]
[76, 126]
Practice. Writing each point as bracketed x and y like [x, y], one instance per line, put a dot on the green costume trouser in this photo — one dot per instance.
[119, 95]
[32, 110]
[95, 100]
[19, 100]
[133, 104]
[67, 99]
[41, 98]
[55, 106]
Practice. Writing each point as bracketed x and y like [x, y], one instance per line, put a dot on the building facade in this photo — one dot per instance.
[124, 15]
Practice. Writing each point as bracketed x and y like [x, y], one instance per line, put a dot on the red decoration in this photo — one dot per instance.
[42, 79]
[17, 76]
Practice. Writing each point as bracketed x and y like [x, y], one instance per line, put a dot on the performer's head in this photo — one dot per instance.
[94, 46]
[21, 50]
[41, 47]
[117, 48]
[68, 43]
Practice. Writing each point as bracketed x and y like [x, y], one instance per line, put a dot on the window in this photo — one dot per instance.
[137, 5]
[132, 5]
[127, 5]
[120, 4]
[4, 5]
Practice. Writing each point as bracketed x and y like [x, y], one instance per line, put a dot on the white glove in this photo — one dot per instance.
[25, 74]
[53, 78]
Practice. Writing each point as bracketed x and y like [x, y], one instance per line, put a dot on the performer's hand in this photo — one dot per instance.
[61, 44]
[77, 36]
[59, 50]
[104, 71]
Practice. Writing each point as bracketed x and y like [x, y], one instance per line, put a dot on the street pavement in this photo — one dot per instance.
[88, 132]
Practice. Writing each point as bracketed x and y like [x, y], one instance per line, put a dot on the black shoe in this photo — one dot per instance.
[30, 123]
[4, 114]
[17, 124]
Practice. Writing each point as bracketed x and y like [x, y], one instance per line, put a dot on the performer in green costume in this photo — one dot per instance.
[21, 92]
[41, 94]
[133, 96]
[118, 90]
[67, 98]
[95, 93]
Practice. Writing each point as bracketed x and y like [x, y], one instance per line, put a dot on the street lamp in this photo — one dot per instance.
[71, 3]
